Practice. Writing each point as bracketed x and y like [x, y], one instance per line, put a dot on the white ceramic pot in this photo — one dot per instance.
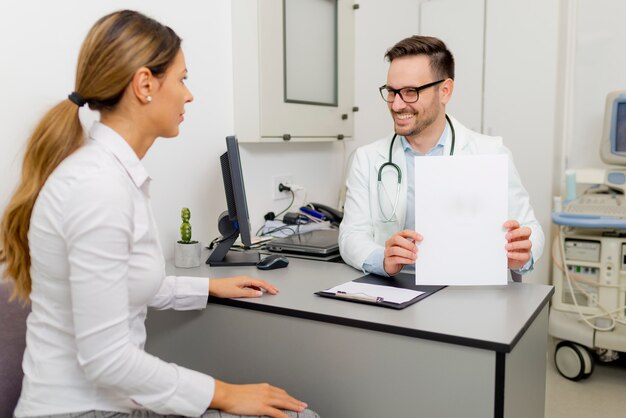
[187, 255]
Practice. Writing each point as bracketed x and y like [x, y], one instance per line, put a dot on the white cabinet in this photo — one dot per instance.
[521, 68]
[506, 54]
[277, 95]
[461, 25]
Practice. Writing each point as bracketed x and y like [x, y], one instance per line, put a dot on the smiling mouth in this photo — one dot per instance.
[404, 116]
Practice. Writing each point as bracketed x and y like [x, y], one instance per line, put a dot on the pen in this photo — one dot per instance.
[359, 296]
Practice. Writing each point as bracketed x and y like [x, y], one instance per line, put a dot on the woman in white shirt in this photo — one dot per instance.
[79, 240]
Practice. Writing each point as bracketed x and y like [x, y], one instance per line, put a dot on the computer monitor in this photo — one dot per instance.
[235, 222]
[613, 146]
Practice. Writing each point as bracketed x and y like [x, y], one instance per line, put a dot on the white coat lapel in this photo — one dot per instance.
[461, 140]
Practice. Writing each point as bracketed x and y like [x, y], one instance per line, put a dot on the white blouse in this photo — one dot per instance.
[96, 266]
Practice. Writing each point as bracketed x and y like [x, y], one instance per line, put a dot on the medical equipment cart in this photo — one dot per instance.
[588, 310]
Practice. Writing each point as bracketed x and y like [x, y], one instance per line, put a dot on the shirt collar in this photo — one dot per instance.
[438, 146]
[118, 146]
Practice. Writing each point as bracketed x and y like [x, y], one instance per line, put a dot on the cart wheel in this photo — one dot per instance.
[588, 359]
[573, 361]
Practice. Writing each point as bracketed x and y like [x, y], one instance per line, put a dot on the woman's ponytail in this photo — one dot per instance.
[56, 136]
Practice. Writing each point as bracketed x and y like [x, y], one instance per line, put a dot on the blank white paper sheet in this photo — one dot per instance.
[461, 203]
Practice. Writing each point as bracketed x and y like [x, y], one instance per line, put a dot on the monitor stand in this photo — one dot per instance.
[236, 258]
[222, 255]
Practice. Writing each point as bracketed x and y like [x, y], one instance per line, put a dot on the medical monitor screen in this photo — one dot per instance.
[620, 128]
[613, 142]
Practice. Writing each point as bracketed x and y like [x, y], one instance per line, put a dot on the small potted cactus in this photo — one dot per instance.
[187, 251]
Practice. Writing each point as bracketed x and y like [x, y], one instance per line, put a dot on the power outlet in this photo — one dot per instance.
[276, 180]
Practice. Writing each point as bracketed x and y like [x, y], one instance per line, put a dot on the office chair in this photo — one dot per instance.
[12, 344]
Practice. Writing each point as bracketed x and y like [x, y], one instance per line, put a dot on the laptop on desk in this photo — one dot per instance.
[321, 242]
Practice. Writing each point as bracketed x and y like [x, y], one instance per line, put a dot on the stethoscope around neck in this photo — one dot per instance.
[394, 166]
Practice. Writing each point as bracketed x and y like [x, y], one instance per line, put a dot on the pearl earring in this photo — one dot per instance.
[149, 98]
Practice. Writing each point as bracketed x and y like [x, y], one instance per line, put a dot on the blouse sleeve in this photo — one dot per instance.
[182, 293]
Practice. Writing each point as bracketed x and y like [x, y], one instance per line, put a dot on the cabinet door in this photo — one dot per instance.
[521, 58]
[293, 69]
[460, 24]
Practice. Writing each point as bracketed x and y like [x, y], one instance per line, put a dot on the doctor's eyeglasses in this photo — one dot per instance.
[407, 94]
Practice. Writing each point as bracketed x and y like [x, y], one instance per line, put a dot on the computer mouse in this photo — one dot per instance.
[272, 262]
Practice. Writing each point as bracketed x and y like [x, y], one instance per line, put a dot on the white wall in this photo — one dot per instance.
[598, 66]
[378, 26]
[38, 71]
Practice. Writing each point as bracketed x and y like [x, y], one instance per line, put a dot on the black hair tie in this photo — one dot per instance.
[77, 99]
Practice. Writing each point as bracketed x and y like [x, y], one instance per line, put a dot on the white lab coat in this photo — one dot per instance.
[363, 229]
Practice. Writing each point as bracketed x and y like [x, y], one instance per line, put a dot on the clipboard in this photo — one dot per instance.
[402, 280]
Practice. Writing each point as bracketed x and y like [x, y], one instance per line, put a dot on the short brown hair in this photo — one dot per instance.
[441, 59]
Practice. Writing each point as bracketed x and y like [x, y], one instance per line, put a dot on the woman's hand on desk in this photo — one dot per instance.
[261, 399]
[518, 244]
[240, 287]
[400, 250]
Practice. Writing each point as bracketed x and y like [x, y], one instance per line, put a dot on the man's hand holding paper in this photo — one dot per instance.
[400, 250]
[518, 244]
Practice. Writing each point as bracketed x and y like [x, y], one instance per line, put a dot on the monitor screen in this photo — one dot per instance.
[613, 144]
[620, 127]
[235, 222]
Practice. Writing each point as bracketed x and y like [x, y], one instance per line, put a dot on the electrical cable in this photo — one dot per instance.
[278, 229]
[583, 317]
[579, 277]
[293, 197]
[221, 239]
[575, 280]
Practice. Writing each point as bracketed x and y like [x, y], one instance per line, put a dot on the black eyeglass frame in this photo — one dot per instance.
[386, 90]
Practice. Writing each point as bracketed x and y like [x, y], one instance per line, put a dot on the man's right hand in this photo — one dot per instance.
[400, 250]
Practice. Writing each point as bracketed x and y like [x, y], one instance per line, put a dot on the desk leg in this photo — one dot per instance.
[525, 373]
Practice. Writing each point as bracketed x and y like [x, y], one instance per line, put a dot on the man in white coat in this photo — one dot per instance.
[377, 234]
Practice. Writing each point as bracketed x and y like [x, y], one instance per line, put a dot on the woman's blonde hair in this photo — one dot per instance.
[115, 48]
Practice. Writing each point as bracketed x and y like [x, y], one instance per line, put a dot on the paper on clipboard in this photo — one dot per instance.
[375, 293]
[461, 203]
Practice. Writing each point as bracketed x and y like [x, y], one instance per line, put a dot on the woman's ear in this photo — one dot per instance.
[143, 85]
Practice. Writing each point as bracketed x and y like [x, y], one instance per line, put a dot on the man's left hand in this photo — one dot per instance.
[518, 244]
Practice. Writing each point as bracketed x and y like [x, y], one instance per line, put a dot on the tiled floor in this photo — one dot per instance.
[602, 395]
